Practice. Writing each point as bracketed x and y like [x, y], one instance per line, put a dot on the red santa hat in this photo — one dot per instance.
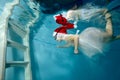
[63, 29]
[60, 19]
[59, 32]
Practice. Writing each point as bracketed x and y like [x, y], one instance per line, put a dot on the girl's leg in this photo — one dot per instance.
[109, 29]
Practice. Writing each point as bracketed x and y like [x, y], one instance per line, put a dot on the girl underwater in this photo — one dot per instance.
[91, 41]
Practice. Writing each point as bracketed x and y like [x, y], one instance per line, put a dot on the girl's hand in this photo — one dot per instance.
[76, 51]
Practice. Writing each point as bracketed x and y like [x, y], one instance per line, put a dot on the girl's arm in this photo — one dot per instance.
[76, 43]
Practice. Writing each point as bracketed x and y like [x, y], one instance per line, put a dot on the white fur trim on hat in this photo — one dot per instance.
[75, 26]
[59, 35]
[54, 33]
[55, 16]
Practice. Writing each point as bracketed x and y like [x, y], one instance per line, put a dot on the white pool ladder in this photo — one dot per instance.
[4, 43]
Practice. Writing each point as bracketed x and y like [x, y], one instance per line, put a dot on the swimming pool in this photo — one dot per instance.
[51, 63]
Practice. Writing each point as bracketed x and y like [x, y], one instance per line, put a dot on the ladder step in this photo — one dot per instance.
[16, 45]
[16, 64]
[16, 28]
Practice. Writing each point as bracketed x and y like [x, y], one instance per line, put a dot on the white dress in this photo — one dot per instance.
[91, 42]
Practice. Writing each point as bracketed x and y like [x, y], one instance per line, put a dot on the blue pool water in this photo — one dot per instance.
[51, 63]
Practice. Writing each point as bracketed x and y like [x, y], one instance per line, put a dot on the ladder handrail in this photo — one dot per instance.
[3, 38]
[5, 21]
